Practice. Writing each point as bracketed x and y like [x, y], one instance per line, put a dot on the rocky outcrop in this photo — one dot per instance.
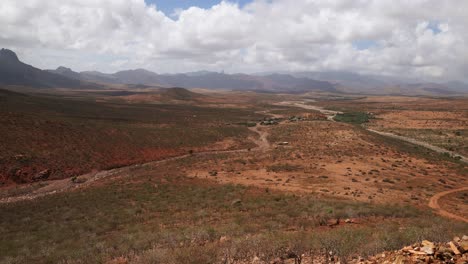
[455, 251]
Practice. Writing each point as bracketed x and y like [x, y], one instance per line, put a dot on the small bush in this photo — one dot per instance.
[353, 118]
[387, 180]
[284, 167]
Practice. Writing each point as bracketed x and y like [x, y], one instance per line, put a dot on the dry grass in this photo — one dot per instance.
[74, 136]
[182, 220]
[164, 214]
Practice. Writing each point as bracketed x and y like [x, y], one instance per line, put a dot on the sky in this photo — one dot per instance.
[172, 7]
[425, 39]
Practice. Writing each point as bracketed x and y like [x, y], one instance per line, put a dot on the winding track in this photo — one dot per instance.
[420, 143]
[434, 204]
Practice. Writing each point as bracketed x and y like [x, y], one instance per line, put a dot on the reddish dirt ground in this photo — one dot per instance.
[321, 156]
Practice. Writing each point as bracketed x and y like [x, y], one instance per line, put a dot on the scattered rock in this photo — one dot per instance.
[454, 248]
[236, 202]
[41, 175]
[416, 252]
[407, 249]
[224, 239]
[256, 260]
[399, 260]
[333, 222]
[424, 252]
[464, 245]
[428, 247]
[428, 250]
[78, 180]
[277, 261]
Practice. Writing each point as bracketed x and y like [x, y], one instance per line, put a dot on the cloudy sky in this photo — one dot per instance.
[418, 38]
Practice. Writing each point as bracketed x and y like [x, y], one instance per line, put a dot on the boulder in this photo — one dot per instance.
[464, 245]
[454, 248]
[428, 247]
[428, 250]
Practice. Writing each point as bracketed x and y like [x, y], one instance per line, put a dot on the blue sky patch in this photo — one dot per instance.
[168, 6]
[434, 26]
[364, 44]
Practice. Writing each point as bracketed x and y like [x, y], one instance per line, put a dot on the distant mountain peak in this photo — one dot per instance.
[15, 72]
[61, 68]
[199, 73]
[9, 55]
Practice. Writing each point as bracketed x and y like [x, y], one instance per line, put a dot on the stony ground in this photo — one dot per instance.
[455, 251]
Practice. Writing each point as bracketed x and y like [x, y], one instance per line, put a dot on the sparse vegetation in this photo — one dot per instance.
[72, 137]
[162, 221]
[326, 191]
[353, 118]
[284, 167]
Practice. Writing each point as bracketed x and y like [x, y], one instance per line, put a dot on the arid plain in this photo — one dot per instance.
[178, 176]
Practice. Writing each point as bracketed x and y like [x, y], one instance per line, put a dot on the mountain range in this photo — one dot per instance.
[205, 79]
[14, 72]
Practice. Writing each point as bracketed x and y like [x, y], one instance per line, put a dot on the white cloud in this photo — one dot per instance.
[420, 38]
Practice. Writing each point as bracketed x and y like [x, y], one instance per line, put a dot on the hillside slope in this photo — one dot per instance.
[14, 72]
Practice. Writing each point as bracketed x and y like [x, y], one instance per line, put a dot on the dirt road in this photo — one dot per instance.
[262, 142]
[421, 143]
[434, 204]
[331, 115]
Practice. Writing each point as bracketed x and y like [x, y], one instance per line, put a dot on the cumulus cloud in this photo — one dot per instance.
[420, 38]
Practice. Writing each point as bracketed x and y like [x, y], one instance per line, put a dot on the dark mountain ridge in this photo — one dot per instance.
[209, 80]
[14, 72]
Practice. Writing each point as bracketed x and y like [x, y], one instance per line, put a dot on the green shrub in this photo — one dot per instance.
[353, 117]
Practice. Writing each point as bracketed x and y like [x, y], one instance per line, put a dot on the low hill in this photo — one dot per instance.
[178, 93]
[49, 136]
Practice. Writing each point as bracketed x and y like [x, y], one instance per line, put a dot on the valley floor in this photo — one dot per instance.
[307, 185]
